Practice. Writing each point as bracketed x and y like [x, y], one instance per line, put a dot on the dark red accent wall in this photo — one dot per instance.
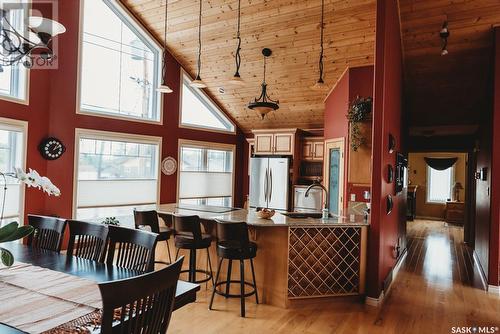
[52, 111]
[384, 229]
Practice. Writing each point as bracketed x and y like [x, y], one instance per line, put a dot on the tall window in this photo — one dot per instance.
[12, 149]
[206, 174]
[115, 174]
[439, 184]
[199, 111]
[13, 79]
[120, 64]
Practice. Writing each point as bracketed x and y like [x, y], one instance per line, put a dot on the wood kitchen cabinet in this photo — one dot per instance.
[277, 142]
[313, 148]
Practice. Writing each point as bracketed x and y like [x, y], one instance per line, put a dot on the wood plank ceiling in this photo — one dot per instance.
[453, 89]
[289, 27]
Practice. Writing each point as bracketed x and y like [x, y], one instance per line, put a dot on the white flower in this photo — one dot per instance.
[33, 179]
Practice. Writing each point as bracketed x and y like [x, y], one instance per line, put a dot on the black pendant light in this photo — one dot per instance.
[197, 82]
[164, 89]
[320, 84]
[236, 79]
[263, 104]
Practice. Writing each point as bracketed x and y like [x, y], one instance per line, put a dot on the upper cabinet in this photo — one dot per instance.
[312, 148]
[275, 142]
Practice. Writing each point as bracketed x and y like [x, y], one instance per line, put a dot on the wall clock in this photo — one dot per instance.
[169, 166]
[51, 148]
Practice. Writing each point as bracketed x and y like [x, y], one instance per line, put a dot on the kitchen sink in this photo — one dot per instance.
[299, 215]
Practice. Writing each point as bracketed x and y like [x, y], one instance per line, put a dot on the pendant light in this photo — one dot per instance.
[320, 84]
[164, 89]
[263, 104]
[236, 79]
[197, 82]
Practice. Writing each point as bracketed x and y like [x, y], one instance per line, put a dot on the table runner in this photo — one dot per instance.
[36, 299]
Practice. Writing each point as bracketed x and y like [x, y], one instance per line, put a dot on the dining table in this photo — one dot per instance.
[88, 271]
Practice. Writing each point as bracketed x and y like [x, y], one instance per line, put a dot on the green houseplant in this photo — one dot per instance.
[111, 221]
[12, 232]
[359, 111]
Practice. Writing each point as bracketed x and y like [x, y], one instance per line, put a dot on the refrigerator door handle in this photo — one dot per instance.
[271, 184]
[266, 185]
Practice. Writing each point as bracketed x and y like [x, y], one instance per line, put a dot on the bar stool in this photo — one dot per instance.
[188, 236]
[233, 244]
[150, 218]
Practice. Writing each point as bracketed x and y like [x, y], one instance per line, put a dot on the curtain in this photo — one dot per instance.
[440, 163]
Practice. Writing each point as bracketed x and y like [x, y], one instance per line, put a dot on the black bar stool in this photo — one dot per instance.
[233, 244]
[188, 236]
[150, 218]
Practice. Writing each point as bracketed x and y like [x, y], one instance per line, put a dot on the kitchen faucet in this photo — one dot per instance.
[317, 184]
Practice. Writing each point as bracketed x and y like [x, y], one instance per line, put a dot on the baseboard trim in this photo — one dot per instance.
[482, 274]
[494, 290]
[379, 301]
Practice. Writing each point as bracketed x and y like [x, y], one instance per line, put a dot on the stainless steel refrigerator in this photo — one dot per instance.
[269, 183]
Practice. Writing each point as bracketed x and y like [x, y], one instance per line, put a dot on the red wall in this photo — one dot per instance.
[52, 111]
[384, 229]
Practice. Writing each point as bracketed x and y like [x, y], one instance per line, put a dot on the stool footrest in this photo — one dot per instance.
[248, 294]
[205, 272]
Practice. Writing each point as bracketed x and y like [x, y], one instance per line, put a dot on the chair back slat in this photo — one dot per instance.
[87, 240]
[189, 226]
[147, 218]
[48, 234]
[142, 304]
[131, 249]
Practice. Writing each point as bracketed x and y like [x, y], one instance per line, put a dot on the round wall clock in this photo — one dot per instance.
[51, 148]
[169, 166]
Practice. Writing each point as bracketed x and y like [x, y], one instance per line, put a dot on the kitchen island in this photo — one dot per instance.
[297, 258]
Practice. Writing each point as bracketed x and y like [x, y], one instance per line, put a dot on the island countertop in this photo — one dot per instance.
[251, 218]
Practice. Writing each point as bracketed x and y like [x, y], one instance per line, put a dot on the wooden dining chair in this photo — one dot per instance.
[87, 240]
[149, 218]
[131, 249]
[142, 304]
[48, 233]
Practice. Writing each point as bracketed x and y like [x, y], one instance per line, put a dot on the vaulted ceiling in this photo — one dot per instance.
[289, 27]
[453, 89]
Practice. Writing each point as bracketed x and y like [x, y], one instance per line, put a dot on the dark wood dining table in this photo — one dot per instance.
[91, 270]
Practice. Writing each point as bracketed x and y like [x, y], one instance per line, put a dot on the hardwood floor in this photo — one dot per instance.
[434, 291]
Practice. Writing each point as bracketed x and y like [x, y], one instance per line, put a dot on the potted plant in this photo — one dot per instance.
[13, 231]
[111, 221]
[359, 111]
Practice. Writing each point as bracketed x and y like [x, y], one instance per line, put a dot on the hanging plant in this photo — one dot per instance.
[359, 111]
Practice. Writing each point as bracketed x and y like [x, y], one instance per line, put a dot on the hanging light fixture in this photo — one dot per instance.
[164, 89]
[16, 48]
[197, 82]
[236, 79]
[263, 104]
[320, 84]
[444, 33]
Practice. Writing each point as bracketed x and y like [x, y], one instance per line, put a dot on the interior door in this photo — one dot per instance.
[278, 183]
[259, 183]
[334, 174]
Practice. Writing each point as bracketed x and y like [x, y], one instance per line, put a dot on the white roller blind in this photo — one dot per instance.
[205, 184]
[111, 193]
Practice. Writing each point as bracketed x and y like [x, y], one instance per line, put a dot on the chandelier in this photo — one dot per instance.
[263, 104]
[16, 47]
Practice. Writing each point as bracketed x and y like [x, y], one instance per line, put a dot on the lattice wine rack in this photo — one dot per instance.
[324, 261]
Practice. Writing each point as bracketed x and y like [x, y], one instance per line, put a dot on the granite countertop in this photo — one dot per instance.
[251, 218]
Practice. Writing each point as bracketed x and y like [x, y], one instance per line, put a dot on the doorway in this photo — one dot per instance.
[334, 174]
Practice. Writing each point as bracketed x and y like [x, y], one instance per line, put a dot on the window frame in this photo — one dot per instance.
[113, 136]
[206, 145]
[121, 11]
[427, 182]
[205, 99]
[10, 124]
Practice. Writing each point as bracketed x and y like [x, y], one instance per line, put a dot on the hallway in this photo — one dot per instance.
[433, 292]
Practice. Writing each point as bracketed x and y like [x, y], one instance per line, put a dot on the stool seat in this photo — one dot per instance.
[164, 232]
[188, 242]
[236, 250]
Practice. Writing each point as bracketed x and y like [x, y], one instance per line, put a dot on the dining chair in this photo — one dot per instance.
[142, 304]
[131, 249]
[48, 233]
[87, 240]
[149, 218]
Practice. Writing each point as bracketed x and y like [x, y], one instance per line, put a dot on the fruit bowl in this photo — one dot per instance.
[265, 213]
